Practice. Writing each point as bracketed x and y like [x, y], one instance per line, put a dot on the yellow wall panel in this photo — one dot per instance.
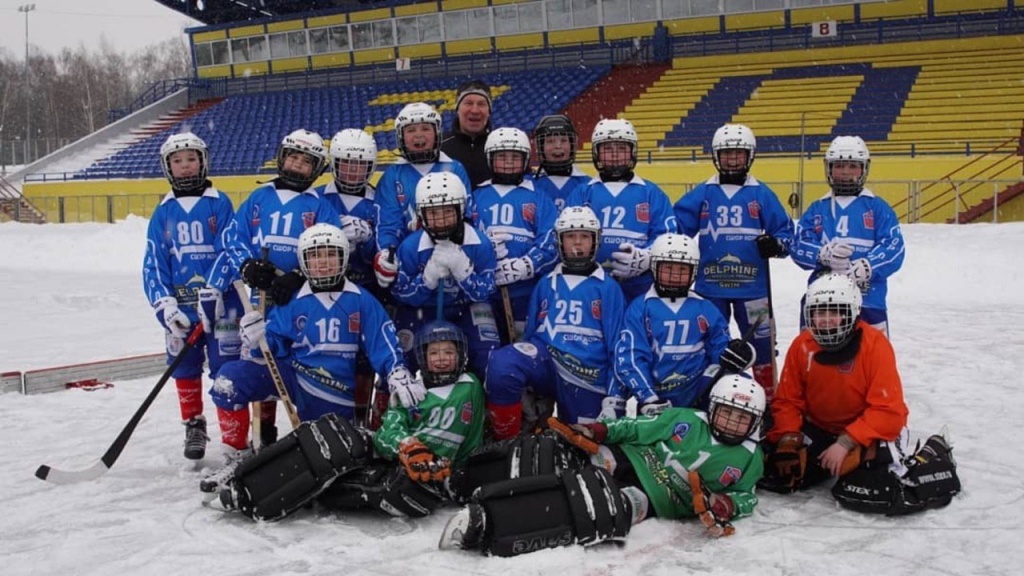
[946, 6]
[215, 72]
[207, 36]
[837, 13]
[413, 9]
[450, 5]
[367, 15]
[375, 55]
[755, 20]
[621, 31]
[468, 46]
[582, 36]
[500, 2]
[519, 41]
[250, 68]
[420, 51]
[875, 10]
[289, 64]
[286, 26]
[692, 25]
[331, 60]
[321, 21]
[243, 31]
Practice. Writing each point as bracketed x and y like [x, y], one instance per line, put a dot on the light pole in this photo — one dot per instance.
[26, 8]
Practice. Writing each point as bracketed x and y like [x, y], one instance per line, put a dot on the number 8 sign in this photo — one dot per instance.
[823, 29]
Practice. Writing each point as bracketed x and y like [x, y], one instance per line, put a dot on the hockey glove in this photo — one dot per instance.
[654, 407]
[512, 270]
[283, 288]
[860, 273]
[420, 463]
[404, 389]
[498, 239]
[836, 255]
[453, 257]
[714, 510]
[737, 356]
[258, 274]
[173, 319]
[612, 408]
[356, 230]
[211, 308]
[434, 271]
[252, 329]
[770, 247]
[586, 437]
[385, 268]
[630, 261]
[786, 465]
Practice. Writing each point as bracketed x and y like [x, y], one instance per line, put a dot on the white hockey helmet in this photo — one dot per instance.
[185, 141]
[436, 190]
[733, 137]
[847, 149]
[311, 145]
[418, 113]
[746, 401]
[668, 248]
[507, 139]
[323, 241]
[574, 218]
[837, 298]
[614, 130]
[357, 150]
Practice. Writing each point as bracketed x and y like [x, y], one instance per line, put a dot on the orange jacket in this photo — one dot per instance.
[863, 397]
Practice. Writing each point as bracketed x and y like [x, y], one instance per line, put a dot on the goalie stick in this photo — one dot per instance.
[101, 466]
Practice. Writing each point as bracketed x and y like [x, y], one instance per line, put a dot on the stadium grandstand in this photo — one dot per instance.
[936, 88]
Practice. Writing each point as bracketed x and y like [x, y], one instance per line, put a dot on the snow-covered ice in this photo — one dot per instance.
[73, 293]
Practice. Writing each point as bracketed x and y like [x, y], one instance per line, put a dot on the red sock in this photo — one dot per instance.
[268, 412]
[190, 396]
[507, 421]
[234, 427]
[764, 375]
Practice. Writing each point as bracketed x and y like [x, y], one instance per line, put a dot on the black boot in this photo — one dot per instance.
[196, 438]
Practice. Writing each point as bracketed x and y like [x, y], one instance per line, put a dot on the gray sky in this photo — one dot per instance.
[55, 24]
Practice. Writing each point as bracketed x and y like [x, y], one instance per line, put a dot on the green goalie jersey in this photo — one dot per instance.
[450, 421]
[665, 448]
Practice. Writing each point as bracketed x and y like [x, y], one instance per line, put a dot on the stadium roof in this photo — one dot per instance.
[214, 12]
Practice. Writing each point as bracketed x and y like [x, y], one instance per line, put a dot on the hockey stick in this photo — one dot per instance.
[256, 408]
[275, 374]
[101, 466]
[771, 325]
[506, 303]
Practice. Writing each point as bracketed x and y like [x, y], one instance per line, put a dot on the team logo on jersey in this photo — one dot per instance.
[400, 192]
[467, 413]
[846, 368]
[211, 223]
[530, 212]
[680, 430]
[255, 219]
[595, 309]
[643, 212]
[353, 323]
[705, 210]
[869, 220]
[754, 209]
[308, 219]
[730, 475]
[300, 322]
[817, 224]
[543, 309]
[703, 324]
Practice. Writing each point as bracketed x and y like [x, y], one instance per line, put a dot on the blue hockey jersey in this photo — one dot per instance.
[360, 261]
[413, 255]
[559, 188]
[396, 197]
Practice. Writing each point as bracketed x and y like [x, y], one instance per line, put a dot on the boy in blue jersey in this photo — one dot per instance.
[446, 271]
[182, 243]
[315, 339]
[520, 223]
[851, 231]
[418, 129]
[741, 224]
[575, 313]
[633, 212]
[557, 175]
[672, 342]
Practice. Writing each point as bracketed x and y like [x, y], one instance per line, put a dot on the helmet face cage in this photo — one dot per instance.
[438, 190]
[177, 143]
[847, 149]
[733, 137]
[418, 113]
[440, 331]
[555, 128]
[736, 407]
[674, 249]
[323, 256]
[831, 308]
[574, 219]
[309, 144]
[507, 140]
[608, 131]
[353, 160]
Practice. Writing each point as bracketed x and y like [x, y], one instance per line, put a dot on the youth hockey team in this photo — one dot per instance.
[438, 338]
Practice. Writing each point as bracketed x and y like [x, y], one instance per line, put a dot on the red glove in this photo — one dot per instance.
[714, 510]
[586, 437]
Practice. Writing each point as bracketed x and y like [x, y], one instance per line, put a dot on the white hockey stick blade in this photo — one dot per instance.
[64, 477]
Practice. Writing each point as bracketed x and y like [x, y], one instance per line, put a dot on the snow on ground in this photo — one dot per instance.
[73, 293]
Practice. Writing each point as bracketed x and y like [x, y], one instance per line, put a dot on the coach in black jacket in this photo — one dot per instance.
[470, 128]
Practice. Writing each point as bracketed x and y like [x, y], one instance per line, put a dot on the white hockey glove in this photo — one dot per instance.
[860, 273]
[836, 255]
[499, 239]
[211, 308]
[406, 391]
[454, 259]
[512, 270]
[385, 267]
[654, 406]
[630, 261]
[173, 319]
[434, 271]
[356, 230]
[252, 329]
[612, 408]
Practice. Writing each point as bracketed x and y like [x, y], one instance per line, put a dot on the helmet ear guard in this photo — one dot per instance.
[319, 241]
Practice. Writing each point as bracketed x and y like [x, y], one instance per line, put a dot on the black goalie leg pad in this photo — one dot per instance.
[528, 514]
[519, 457]
[385, 487]
[403, 496]
[289, 473]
